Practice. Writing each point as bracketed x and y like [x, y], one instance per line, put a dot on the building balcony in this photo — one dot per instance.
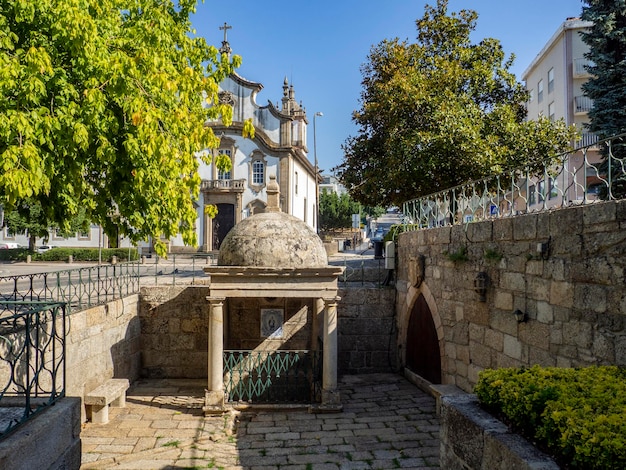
[582, 104]
[579, 68]
[223, 186]
[588, 139]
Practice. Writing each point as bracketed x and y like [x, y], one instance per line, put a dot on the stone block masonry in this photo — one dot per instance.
[572, 293]
[174, 339]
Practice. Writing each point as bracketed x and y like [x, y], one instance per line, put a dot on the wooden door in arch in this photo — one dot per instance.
[422, 345]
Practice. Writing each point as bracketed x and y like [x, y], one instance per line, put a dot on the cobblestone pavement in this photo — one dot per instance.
[386, 423]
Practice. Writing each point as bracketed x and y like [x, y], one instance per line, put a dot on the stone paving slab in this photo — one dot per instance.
[386, 423]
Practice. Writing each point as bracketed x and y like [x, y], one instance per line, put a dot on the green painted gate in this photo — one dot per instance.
[273, 376]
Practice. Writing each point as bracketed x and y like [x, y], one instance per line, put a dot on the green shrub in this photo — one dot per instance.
[579, 415]
[86, 254]
[14, 254]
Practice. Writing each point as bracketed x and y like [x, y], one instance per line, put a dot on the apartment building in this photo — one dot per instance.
[554, 80]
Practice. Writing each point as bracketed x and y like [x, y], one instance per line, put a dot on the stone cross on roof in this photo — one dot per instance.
[225, 49]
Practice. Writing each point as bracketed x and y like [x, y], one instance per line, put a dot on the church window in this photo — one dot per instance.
[258, 172]
[224, 175]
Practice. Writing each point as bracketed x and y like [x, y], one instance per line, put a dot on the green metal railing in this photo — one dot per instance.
[79, 288]
[557, 184]
[272, 376]
[32, 360]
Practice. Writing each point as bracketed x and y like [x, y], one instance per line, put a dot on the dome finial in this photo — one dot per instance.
[273, 195]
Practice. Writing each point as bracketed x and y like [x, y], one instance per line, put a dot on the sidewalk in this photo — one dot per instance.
[386, 423]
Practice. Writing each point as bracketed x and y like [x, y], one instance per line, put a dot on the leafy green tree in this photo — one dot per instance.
[607, 86]
[336, 211]
[28, 217]
[103, 105]
[439, 112]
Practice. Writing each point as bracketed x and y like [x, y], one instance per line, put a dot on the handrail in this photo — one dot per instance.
[559, 183]
[32, 359]
[80, 288]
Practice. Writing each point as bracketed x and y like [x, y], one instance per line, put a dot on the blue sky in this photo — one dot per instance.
[320, 45]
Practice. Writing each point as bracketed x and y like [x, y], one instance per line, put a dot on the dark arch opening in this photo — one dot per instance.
[422, 345]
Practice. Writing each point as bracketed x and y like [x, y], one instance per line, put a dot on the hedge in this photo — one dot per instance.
[63, 254]
[578, 415]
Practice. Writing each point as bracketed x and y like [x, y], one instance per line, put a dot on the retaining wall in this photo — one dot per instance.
[174, 340]
[102, 342]
[572, 292]
[51, 440]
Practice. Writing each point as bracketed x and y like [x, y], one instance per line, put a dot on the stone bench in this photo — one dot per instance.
[112, 392]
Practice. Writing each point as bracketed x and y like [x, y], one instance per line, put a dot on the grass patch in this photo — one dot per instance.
[492, 255]
[171, 444]
[458, 256]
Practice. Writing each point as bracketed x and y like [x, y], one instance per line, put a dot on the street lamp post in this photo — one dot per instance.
[317, 192]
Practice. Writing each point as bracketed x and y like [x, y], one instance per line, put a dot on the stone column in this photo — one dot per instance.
[214, 397]
[316, 321]
[330, 393]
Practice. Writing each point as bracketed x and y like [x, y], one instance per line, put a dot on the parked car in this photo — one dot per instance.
[9, 246]
[44, 248]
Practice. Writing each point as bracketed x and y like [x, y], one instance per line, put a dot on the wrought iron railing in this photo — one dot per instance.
[32, 359]
[278, 376]
[580, 67]
[582, 104]
[80, 288]
[575, 178]
[178, 268]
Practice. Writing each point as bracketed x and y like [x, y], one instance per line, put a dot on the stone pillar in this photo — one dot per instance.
[316, 321]
[214, 397]
[330, 393]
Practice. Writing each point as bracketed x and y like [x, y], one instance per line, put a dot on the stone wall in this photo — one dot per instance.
[102, 342]
[572, 292]
[174, 340]
[50, 440]
[473, 439]
[174, 335]
[367, 331]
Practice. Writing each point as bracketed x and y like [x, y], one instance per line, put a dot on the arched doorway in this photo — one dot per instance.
[223, 222]
[422, 345]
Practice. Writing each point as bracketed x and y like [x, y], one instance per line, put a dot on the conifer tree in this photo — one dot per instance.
[607, 86]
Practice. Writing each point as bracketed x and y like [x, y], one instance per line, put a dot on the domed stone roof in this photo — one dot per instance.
[273, 240]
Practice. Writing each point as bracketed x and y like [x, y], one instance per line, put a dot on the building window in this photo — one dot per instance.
[554, 189]
[84, 234]
[256, 169]
[541, 190]
[225, 175]
[551, 111]
[296, 183]
[258, 172]
[551, 80]
[9, 234]
[227, 148]
[531, 95]
[540, 91]
[532, 199]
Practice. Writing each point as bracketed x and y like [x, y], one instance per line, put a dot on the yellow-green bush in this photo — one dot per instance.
[579, 415]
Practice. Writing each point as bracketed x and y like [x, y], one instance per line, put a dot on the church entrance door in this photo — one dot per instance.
[222, 223]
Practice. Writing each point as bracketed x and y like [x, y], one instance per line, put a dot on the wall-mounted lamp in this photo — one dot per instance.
[520, 316]
[480, 285]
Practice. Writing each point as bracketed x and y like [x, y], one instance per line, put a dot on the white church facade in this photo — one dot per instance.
[278, 148]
